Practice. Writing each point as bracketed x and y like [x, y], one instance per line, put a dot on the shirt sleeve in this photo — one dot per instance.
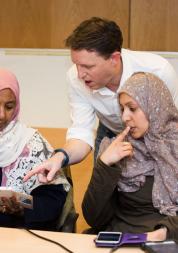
[170, 77]
[171, 223]
[97, 203]
[82, 112]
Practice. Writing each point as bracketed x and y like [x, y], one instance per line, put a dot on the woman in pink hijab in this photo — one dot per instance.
[22, 148]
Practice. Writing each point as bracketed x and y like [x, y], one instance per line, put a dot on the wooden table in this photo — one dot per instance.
[21, 241]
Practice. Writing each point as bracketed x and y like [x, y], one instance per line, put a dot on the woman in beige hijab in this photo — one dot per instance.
[134, 186]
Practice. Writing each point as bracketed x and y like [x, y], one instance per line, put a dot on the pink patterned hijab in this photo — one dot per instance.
[8, 80]
[157, 152]
[15, 135]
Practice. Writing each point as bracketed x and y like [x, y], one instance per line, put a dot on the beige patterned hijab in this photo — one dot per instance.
[157, 153]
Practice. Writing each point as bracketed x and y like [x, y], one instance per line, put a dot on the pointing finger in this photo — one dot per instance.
[124, 133]
[51, 174]
[33, 172]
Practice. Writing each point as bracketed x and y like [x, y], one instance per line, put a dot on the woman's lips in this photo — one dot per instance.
[132, 129]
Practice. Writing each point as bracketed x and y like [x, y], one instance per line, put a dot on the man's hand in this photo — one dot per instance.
[118, 149]
[47, 170]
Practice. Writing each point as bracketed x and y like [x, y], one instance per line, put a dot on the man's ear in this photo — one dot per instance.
[115, 58]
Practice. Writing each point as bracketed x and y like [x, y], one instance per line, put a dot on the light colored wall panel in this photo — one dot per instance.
[44, 88]
[154, 25]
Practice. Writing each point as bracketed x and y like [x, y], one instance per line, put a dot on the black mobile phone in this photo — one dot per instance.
[108, 239]
[160, 247]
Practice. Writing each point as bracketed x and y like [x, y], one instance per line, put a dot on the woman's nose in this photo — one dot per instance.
[2, 113]
[125, 116]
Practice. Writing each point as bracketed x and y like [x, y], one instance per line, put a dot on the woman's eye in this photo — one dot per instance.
[10, 106]
[122, 109]
[133, 109]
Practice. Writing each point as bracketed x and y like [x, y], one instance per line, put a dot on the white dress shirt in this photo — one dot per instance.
[86, 104]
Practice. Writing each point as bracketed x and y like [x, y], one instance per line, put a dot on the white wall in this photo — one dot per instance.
[42, 78]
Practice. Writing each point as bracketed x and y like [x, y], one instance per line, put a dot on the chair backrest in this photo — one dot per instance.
[68, 217]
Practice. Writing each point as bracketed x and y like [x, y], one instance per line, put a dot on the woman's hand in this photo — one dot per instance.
[157, 235]
[10, 206]
[118, 149]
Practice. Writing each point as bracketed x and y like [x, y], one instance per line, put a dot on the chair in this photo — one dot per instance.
[67, 219]
[90, 231]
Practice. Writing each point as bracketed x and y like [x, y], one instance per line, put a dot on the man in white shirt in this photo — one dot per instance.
[100, 68]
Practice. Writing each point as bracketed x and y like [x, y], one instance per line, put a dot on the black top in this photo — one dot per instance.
[105, 208]
[48, 201]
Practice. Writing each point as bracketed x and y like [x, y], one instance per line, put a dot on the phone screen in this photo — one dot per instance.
[161, 247]
[109, 237]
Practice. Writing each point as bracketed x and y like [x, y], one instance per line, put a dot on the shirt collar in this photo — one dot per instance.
[127, 72]
[104, 91]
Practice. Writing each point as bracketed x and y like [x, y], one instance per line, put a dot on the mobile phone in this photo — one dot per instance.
[160, 247]
[108, 239]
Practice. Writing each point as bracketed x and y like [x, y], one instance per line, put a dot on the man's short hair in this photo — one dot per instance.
[96, 34]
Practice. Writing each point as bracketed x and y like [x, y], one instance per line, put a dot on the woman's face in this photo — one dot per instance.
[7, 107]
[133, 116]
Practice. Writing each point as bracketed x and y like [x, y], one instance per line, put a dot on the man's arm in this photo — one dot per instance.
[76, 149]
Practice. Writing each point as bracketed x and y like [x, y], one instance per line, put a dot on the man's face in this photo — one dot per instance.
[96, 71]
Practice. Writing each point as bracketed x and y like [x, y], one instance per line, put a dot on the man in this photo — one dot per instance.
[100, 68]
